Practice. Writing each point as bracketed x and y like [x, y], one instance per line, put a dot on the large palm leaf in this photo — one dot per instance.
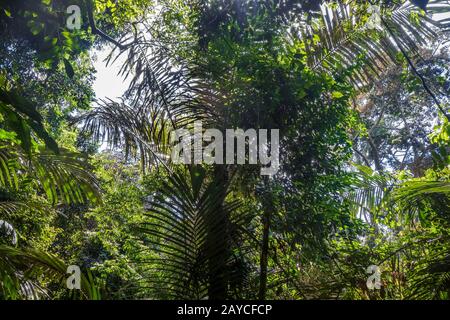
[198, 237]
[21, 270]
[339, 38]
[64, 177]
[430, 277]
[368, 191]
[164, 94]
[8, 167]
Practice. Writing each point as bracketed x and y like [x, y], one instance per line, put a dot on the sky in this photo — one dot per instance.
[108, 84]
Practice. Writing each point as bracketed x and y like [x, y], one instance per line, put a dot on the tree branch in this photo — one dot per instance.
[363, 157]
[95, 30]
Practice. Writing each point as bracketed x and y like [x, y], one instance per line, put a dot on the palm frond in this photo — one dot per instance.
[65, 177]
[369, 189]
[195, 232]
[8, 167]
[430, 278]
[413, 190]
[164, 95]
[340, 38]
[420, 198]
[20, 270]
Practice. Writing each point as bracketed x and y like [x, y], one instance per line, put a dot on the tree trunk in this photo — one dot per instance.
[218, 251]
[267, 202]
[264, 254]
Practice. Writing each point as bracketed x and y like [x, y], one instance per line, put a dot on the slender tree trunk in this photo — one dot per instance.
[218, 251]
[375, 154]
[264, 254]
[217, 256]
[268, 208]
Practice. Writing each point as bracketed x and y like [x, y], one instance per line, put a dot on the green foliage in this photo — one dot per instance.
[199, 236]
[143, 227]
[21, 268]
